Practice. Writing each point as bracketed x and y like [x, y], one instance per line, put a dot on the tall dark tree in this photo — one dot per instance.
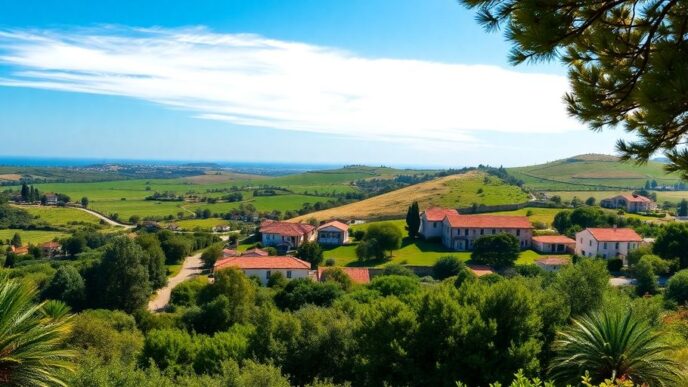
[25, 193]
[683, 208]
[84, 202]
[672, 243]
[311, 252]
[413, 220]
[498, 250]
[123, 279]
[16, 240]
[627, 61]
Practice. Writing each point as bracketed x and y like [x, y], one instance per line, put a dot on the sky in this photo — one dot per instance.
[380, 82]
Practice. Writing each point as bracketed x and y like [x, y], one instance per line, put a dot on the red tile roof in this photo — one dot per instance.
[286, 228]
[229, 253]
[615, 234]
[50, 245]
[437, 214]
[488, 221]
[636, 198]
[561, 239]
[336, 224]
[553, 261]
[481, 270]
[21, 250]
[263, 263]
[359, 275]
[255, 252]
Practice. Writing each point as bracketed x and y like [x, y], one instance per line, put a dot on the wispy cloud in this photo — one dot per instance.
[254, 81]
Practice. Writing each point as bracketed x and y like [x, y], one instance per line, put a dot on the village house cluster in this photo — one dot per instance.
[455, 231]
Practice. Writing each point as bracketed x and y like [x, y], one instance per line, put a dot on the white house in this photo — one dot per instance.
[334, 233]
[459, 232]
[553, 244]
[607, 242]
[286, 235]
[264, 267]
[630, 203]
[431, 221]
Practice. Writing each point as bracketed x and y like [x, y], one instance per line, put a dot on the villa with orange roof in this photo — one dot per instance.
[553, 244]
[459, 232]
[607, 242]
[334, 233]
[286, 235]
[263, 267]
[630, 203]
[431, 221]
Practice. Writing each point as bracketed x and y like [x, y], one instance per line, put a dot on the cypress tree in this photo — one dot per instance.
[413, 220]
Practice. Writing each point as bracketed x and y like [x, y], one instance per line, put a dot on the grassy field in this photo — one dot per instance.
[591, 172]
[419, 253]
[126, 197]
[544, 215]
[204, 224]
[450, 191]
[669, 196]
[30, 237]
[60, 216]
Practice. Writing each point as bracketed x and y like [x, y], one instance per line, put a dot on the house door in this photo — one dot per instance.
[460, 245]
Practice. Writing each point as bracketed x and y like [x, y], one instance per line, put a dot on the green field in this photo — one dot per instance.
[60, 216]
[464, 192]
[544, 215]
[126, 197]
[203, 224]
[591, 172]
[420, 253]
[30, 237]
[662, 196]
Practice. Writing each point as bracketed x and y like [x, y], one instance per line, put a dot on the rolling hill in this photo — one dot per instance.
[591, 172]
[450, 191]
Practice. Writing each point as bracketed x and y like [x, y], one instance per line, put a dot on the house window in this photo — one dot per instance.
[617, 245]
[482, 231]
[518, 232]
[267, 274]
[434, 224]
[605, 245]
[494, 231]
[465, 232]
[288, 273]
[590, 243]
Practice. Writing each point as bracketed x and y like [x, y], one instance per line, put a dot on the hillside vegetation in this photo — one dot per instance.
[450, 191]
[591, 172]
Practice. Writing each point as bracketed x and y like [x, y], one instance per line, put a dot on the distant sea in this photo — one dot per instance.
[23, 161]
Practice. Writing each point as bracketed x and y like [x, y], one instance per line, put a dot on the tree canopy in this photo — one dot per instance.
[627, 61]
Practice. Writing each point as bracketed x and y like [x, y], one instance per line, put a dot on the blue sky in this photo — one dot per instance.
[409, 82]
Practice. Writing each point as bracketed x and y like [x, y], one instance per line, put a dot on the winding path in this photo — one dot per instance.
[191, 267]
[105, 218]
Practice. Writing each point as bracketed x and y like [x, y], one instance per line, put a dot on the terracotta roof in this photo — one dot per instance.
[437, 214]
[255, 252]
[263, 263]
[481, 270]
[286, 228]
[615, 234]
[553, 261]
[336, 224]
[21, 250]
[488, 221]
[359, 275]
[561, 239]
[50, 245]
[229, 253]
[636, 198]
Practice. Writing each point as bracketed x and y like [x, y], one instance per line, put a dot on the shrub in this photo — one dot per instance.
[330, 262]
[614, 264]
[396, 285]
[497, 250]
[677, 288]
[446, 267]
[397, 269]
[338, 276]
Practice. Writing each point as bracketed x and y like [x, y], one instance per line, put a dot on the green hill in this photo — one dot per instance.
[592, 172]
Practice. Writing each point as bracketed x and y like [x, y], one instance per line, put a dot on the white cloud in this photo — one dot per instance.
[253, 81]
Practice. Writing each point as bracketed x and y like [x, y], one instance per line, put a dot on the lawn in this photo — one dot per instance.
[420, 253]
[60, 216]
[33, 237]
[204, 224]
[263, 203]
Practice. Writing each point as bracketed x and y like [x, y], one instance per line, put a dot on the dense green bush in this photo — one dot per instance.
[614, 264]
[447, 266]
[677, 288]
